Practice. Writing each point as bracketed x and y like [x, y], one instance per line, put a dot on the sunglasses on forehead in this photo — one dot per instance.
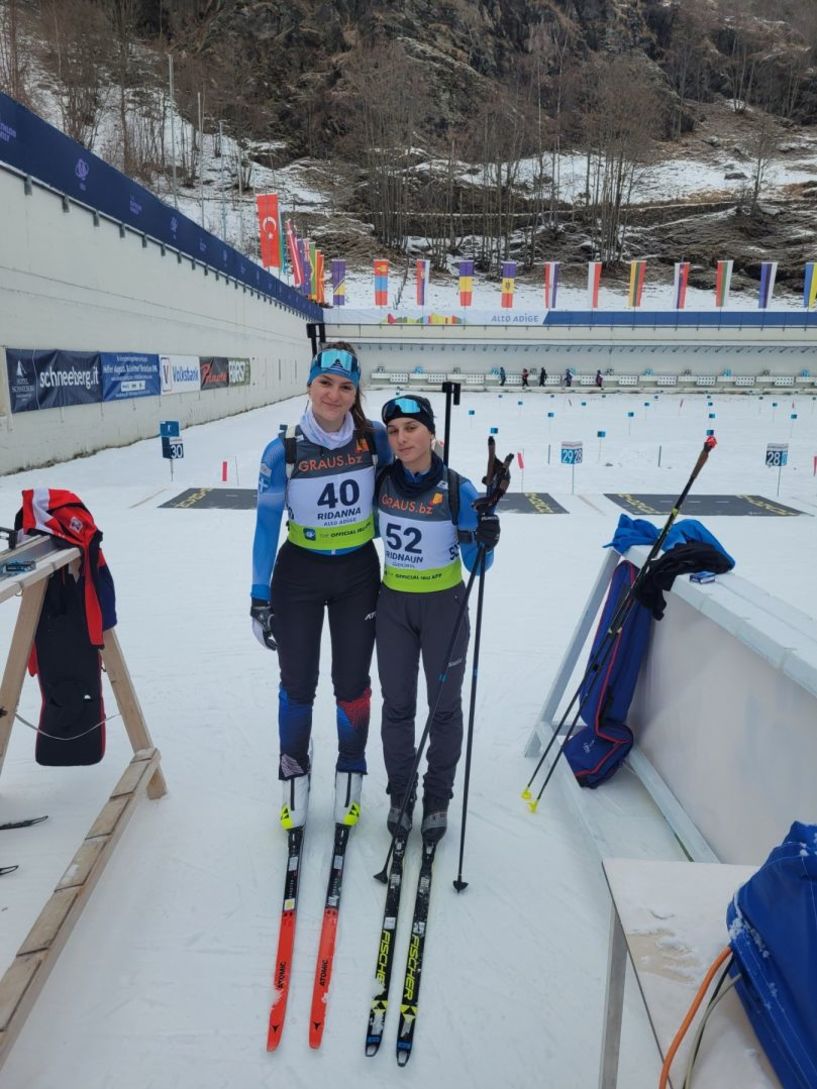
[405, 406]
[333, 359]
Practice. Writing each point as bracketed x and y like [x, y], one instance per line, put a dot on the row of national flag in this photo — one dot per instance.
[285, 249]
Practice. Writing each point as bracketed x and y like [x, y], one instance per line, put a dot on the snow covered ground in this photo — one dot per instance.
[166, 980]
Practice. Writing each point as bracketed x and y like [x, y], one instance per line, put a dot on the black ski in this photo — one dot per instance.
[22, 824]
[7, 869]
[329, 932]
[414, 961]
[385, 949]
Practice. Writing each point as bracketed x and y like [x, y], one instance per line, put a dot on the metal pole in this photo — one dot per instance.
[573, 478]
[201, 160]
[240, 203]
[172, 129]
[221, 173]
[779, 471]
[659, 456]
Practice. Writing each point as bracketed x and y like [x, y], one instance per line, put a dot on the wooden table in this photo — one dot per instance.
[669, 918]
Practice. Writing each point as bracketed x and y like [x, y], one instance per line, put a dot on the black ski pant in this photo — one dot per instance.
[305, 583]
[410, 625]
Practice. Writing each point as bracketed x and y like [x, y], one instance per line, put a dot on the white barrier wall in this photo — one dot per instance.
[71, 280]
[726, 713]
[476, 349]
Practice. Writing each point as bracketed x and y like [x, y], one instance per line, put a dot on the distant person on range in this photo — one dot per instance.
[426, 519]
[502, 376]
[525, 375]
[327, 463]
[568, 377]
[543, 376]
[599, 380]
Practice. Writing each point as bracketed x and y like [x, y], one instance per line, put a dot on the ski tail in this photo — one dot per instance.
[414, 960]
[286, 939]
[385, 950]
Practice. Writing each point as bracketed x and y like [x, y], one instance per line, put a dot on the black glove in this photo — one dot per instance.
[262, 614]
[487, 533]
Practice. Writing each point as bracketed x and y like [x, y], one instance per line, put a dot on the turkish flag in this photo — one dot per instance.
[269, 229]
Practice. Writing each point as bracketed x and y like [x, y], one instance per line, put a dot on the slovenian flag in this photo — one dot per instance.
[338, 282]
[638, 273]
[810, 285]
[768, 274]
[422, 276]
[551, 284]
[381, 282]
[466, 284]
[723, 281]
[508, 284]
[593, 283]
[679, 287]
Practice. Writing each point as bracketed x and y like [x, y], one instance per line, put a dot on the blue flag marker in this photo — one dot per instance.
[471, 412]
[710, 431]
[712, 416]
[494, 430]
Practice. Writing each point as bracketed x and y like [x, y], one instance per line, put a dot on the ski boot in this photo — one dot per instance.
[435, 819]
[400, 824]
[348, 787]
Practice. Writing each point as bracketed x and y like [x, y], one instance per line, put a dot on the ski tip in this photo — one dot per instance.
[403, 1055]
[315, 1034]
[382, 877]
[372, 1048]
[459, 884]
[534, 805]
[526, 794]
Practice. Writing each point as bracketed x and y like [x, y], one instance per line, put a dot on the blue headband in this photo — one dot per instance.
[335, 361]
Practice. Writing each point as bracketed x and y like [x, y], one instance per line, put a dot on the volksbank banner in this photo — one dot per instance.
[239, 372]
[52, 379]
[180, 373]
[129, 375]
[34, 147]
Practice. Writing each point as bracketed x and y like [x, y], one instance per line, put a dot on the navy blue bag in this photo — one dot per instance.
[772, 922]
[597, 751]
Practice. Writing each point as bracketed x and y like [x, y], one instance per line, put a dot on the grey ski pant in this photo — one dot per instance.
[407, 626]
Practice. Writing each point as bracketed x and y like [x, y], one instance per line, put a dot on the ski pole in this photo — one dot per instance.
[448, 389]
[459, 884]
[614, 628]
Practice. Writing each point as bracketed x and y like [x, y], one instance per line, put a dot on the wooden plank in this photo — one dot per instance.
[130, 777]
[130, 709]
[109, 817]
[49, 921]
[15, 985]
[19, 652]
[25, 978]
[83, 862]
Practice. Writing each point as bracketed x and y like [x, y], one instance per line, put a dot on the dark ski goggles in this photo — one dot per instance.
[417, 408]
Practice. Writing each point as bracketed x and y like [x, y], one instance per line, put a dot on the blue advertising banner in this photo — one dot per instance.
[52, 379]
[129, 374]
[34, 147]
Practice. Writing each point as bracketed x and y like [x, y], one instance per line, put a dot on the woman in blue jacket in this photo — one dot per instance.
[323, 472]
[427, 520]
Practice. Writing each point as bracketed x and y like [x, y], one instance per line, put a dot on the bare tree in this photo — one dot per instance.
[622, 116]
[686, 60]
[763, 146]
[387, 101]
[13, 66]
[76, 36]
[122, 15]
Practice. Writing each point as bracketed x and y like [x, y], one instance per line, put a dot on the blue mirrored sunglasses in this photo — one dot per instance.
[334, 358]
[406, 405]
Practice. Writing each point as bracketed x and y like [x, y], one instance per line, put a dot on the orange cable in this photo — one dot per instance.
[693, 1009]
